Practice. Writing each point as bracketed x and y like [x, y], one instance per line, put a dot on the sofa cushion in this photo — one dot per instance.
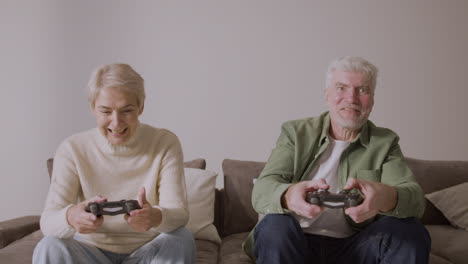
[21, 251]
[453, 203]
[239, 215]
[437, 175]
[207, 252]
[231, 251]
[14, 229]
[449, 243]
[195, 164]
[201, 186]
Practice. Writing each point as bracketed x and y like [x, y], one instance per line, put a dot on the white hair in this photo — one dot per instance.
[353, 64]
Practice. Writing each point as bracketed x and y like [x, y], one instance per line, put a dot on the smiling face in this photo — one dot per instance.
[349, 99]
[116, 114]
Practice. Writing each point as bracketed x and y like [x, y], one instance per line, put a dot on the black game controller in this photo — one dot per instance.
[343, 199]
[98, 208]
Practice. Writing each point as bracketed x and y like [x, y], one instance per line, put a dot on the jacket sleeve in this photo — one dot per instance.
[63, 193]
[277, 175]
[396, 173]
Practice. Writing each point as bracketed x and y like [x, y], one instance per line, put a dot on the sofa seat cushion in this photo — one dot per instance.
[207, 251]
[21, 250]
[448, 246]
[231, 250]
[434, 259]
[449, 243]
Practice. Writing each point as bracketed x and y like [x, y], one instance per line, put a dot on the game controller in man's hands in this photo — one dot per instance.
[343, 199]
[126, 206]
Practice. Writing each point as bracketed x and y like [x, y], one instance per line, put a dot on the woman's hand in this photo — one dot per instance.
[143, 219]
[82, 221]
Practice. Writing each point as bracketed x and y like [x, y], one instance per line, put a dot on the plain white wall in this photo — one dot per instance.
[224, 75]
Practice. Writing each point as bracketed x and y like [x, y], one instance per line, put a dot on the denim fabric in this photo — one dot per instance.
[280, 239]
[177, 247]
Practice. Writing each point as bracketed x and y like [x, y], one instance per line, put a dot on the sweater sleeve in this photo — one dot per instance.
[171, 188]
[63, 193]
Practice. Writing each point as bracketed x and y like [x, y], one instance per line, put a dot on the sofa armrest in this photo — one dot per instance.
[14, 229]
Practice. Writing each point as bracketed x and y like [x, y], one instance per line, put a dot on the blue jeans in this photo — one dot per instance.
[174, 247]
[280, 239]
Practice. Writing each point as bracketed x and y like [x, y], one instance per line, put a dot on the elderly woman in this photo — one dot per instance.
[120, 159]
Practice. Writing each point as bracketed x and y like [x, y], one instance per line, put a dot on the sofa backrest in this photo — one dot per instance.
[434, 175]
[238, 214]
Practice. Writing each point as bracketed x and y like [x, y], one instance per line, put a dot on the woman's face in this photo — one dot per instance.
[116, 114]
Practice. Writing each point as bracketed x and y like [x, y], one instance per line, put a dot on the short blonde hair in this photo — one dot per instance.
[117, 75]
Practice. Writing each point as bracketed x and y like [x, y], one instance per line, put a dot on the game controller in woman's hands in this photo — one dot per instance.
[126, 206]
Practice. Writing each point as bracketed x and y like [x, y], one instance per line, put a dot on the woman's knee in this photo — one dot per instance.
[49, 242]
[182, 234]
[48, 248]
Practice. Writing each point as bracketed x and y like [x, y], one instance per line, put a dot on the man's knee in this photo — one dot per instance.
[279, 239]
[407, 230]
[277, 229]
[407, 236]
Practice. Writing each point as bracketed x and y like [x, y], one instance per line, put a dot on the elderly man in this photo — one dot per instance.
[339, 150]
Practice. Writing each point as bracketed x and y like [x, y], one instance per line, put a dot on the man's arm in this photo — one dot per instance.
[276, 177]
[398, 194]
[396, 173]
[278, 189]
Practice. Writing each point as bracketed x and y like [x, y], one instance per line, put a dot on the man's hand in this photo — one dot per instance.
[294, 198]
[143, 219]
[82, 221]
[378, 197]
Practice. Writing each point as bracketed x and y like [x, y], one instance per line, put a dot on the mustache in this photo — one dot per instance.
[351, 106]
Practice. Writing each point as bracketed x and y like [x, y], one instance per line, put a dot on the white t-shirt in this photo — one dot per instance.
[331, 222]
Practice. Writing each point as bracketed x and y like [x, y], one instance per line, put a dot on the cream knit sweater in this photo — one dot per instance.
[86, 165]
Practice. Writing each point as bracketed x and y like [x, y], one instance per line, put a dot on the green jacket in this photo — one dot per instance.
[374, 155]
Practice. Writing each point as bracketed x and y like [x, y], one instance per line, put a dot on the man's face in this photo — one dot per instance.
[116, 115]
[349, 99]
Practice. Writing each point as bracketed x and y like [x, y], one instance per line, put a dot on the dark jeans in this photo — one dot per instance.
[280, 239]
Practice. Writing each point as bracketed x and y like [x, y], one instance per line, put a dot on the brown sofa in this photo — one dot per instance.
[235, 217]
